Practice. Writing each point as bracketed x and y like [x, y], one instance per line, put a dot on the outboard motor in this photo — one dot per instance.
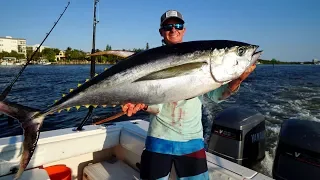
[238, 134]
[298, 151]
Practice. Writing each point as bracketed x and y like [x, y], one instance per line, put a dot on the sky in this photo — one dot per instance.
[287, 30]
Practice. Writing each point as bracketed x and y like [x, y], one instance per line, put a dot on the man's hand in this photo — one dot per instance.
[234, 85]
[131, 109]
[248, 72]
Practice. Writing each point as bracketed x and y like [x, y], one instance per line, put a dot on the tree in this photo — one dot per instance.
[77, 54]
[56, 50]
[14, 54]
[108, 47]
[49, 54]
[137, 50]
[35, 57]
[68, 53]
[4, 54]
[11, 54]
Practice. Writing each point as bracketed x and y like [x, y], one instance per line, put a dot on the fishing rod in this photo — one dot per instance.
[5, 93]
[110, 118]
[93, 60]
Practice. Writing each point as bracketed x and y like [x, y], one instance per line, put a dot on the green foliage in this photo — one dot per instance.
[68, 53]
[12, 54]
[108, 47]
[74, 54]
[137, 49]
[56, 50]
[36, 57]
[111, 59]
[274, 61]
[49, 54]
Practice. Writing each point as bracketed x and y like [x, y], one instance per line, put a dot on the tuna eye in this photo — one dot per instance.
[241, 51]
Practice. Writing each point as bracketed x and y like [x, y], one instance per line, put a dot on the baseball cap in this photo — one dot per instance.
[171, 14]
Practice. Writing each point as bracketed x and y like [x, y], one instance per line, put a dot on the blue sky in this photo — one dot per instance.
[288, 30]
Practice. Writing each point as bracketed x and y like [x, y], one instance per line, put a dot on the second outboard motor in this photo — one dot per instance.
[238, 134]
[298, 151]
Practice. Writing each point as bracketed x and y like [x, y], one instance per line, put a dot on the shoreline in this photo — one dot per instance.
[77, 63]
[64, 63]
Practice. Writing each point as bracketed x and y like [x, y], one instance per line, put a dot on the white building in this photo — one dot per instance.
[60, 56]
[34, 47]
[315, 61]
[9, 44]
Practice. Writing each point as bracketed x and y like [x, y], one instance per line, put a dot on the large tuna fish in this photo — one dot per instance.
[158, 75]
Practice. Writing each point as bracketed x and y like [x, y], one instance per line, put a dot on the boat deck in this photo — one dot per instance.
[102, 152]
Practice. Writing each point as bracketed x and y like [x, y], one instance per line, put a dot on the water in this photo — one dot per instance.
[280, 93]
[40, 86]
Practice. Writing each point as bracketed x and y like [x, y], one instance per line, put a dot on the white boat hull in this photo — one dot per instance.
[98, 143]
[5, 63]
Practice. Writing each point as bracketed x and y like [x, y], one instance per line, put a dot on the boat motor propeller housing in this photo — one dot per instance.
[298, 151]
[238, 135]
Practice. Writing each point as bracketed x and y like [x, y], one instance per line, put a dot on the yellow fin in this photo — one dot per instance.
[78, 107]
[105, 68]
[104, 106]
[63, 95]
[114, 105]
[87, 80]
[79, 85]
[87, 106]
[68, 109]
[95, 106]
[71, 90]
[95, 75]
[59, 110]
[55, 101]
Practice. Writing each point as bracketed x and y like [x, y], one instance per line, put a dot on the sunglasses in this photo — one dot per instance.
[168, 27]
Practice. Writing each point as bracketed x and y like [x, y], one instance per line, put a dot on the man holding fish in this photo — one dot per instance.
[175, 134]
[172, 79]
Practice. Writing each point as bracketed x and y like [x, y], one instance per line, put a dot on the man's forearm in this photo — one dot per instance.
[233, 87]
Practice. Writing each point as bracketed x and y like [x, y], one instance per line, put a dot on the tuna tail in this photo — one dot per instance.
[30, 120]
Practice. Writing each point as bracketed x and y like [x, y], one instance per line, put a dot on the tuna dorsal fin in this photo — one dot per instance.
[173, 71]
[119, 53]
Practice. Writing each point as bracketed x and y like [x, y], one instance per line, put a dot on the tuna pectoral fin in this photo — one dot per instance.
[31, 122]
[120, 53]
[174, 71]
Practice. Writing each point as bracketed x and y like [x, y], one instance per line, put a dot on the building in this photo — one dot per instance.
[60, 56]
[9, 44]
[316, 61]
[34, 47]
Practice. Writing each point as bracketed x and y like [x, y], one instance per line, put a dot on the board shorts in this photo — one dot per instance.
[156, 165]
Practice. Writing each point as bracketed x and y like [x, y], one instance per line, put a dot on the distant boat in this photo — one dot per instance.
[6, 63]
[44, 62]
[19, 63]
